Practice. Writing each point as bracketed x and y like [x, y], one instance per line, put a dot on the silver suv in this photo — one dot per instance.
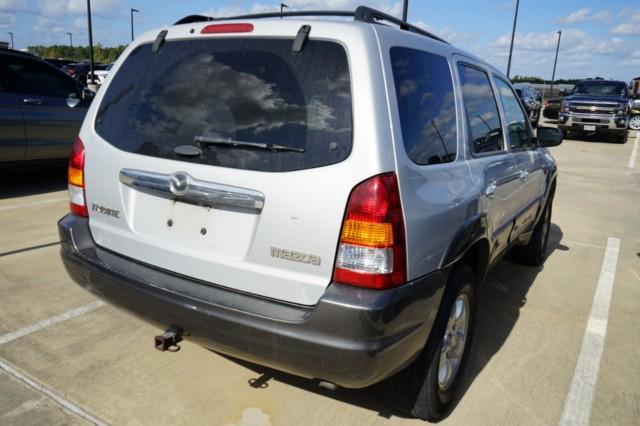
[321, 196]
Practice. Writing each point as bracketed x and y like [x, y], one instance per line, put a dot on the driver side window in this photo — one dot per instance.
[39, 79]
[516, 120]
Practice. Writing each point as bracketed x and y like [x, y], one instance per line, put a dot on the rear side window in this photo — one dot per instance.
[482, 110]
[247, 103]
[516, 120]
[21, 75]
[424, 91]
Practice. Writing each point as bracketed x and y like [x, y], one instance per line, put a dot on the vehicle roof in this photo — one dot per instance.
[319, 17]
[601, 81]
[18, 53]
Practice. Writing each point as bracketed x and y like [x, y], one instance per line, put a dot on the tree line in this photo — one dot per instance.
[533, 79]
[101, 54]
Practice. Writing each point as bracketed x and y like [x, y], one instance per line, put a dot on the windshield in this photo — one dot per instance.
[600, 88]
[250, 90]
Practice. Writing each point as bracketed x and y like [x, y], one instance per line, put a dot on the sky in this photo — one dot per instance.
[599, 37]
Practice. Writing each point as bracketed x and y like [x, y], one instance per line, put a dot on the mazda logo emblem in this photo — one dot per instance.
[179, 184]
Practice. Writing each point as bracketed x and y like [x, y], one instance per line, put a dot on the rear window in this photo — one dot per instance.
[291, 111]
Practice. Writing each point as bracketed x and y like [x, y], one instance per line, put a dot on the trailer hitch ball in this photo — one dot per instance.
[169, 340]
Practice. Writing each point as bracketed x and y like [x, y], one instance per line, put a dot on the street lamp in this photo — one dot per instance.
[513, 35]
[11, 34]
[137, 11]
[553, 77]
[90, 42]
[70, 40]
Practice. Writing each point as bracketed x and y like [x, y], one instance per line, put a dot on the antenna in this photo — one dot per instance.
[282, 8]
[405, 10]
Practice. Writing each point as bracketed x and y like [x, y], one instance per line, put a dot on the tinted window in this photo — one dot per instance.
[482, 110]
[517, 129]
[247, 90]
[29, 76]
[426, 104]
[601, 88]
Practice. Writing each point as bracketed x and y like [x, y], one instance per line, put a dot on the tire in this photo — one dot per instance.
[634, 122]
[419, 390]
[535, 252]
[622, 138]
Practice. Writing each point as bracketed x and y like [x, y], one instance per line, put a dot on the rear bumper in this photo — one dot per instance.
[353, 337]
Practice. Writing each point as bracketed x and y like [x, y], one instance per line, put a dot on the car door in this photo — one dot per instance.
[526, 156]
[12, 134]
[489, 157]
[51, 107]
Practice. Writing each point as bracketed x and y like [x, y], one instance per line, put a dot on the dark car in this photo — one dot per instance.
[79, 71]
[597, 107]
[531, 100]
[59, 62]
[552, 108]
[41, 109]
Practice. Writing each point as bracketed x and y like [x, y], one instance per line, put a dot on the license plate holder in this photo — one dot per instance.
[590, 128]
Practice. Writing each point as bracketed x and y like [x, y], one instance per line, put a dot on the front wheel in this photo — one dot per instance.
[634, 122]
[426, 388]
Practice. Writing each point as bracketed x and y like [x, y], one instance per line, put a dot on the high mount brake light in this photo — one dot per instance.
[75, 179]
[372, 250]
[227, 28]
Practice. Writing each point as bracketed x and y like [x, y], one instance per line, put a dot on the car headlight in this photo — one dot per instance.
[622, 109]
[566, 107]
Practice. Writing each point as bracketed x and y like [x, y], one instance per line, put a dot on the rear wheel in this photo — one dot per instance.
[535, 253]
[634, 122]
[426, 388]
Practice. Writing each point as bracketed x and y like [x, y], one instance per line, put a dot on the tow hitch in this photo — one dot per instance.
[169, 340]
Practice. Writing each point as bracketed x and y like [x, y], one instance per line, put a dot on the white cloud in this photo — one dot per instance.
[13, 5]
[585, 14]
[7, 20]
[76, 7]
[632, 24]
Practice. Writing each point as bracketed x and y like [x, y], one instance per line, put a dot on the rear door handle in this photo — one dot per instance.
[490, 191]
[524, 174]
[33, 101]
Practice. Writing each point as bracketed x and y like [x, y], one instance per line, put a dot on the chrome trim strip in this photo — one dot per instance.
[192, 190]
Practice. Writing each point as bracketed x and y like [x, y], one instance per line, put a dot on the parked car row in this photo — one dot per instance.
[41, 109]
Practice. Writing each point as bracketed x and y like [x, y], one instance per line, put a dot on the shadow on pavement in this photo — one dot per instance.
[21, 183]
[504, 294]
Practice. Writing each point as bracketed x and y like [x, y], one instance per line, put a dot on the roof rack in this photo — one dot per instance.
[362, 14]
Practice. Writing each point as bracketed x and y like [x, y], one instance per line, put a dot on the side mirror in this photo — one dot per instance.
[549, 136]
[73, 100]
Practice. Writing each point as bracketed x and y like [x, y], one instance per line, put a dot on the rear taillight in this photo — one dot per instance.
[75, 178]
[372, 250]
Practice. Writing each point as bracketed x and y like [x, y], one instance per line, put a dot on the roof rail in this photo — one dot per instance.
[373, 16]
[362, 14]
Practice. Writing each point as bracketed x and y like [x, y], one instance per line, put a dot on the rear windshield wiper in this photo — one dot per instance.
[207, 140]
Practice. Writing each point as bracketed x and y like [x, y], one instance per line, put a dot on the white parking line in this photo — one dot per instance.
[6, 338]
[37, 203]
[634, 153]
[577, 406]
[51, 394]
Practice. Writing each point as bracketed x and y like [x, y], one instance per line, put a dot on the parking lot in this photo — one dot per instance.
[66, 358]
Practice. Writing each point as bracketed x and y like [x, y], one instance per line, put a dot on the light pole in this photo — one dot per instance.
[553, 77]
[70, 40]
[405, 10]
[132, 11]
[90, 41]
[513, 35]
[11, 34]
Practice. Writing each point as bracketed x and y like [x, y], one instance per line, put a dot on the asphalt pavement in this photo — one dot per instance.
[553, 344]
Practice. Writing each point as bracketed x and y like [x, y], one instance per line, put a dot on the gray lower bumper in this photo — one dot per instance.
[601, 123]
[353, 337]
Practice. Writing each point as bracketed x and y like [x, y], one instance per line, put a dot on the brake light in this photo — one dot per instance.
[75, 179]
[372, 250]
[227, 28]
